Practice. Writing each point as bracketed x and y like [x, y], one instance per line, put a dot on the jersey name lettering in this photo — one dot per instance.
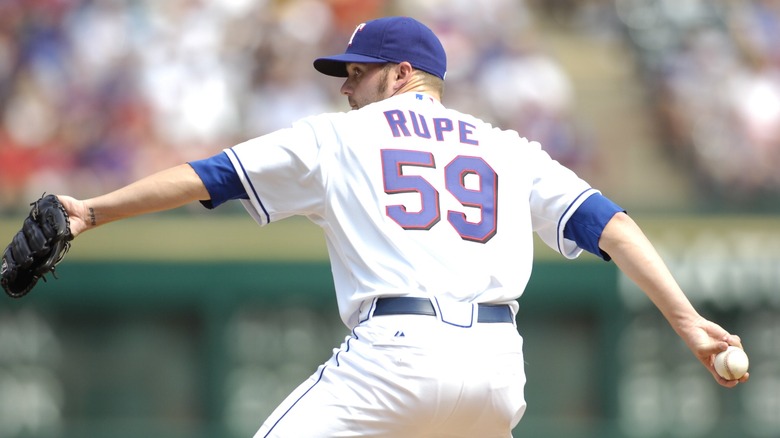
[399, 124]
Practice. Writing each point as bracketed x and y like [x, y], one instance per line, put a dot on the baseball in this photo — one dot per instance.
[732, 363]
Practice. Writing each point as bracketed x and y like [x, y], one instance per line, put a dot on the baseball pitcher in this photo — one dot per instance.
[429, 215]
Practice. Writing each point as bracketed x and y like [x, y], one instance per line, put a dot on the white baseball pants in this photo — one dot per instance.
[411, 376]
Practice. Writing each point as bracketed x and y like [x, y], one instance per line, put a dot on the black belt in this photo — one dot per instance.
[423, 306]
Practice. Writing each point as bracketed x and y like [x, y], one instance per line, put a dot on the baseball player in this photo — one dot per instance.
[428, 215]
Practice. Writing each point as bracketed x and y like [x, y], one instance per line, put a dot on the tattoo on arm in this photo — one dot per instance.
[92, 216]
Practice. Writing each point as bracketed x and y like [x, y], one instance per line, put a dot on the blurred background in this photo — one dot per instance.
[197, 324]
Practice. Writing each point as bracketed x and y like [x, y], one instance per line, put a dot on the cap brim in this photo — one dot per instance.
[336, 65]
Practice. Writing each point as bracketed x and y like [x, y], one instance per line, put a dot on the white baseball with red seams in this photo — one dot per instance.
[732, 364]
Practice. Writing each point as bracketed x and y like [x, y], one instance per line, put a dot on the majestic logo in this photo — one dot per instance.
[357, 29]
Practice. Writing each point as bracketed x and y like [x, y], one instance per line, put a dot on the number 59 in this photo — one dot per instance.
[483, 198]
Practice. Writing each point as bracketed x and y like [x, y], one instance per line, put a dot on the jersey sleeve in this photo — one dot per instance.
[588, 221]
[556, 194]
[220, 178]
[280, 173]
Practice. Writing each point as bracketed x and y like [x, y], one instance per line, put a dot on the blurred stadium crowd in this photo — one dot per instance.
[97, 93]
[712, 70]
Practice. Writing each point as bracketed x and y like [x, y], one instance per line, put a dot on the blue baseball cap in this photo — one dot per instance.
[389, 39]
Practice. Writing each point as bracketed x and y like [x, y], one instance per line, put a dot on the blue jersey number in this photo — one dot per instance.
[456, 174]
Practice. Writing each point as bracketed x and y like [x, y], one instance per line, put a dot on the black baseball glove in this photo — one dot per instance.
[37, 248]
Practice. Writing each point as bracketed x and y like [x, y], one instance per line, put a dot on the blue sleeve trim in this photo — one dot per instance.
[589, 191]
[588, 221]
[220, 178]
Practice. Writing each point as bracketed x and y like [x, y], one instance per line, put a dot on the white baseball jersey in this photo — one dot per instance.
[414, 199]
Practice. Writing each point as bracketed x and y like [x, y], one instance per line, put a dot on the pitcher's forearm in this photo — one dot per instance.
[165, 190]
[638, 260]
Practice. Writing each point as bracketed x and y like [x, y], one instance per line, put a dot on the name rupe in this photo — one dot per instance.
[408, 123]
